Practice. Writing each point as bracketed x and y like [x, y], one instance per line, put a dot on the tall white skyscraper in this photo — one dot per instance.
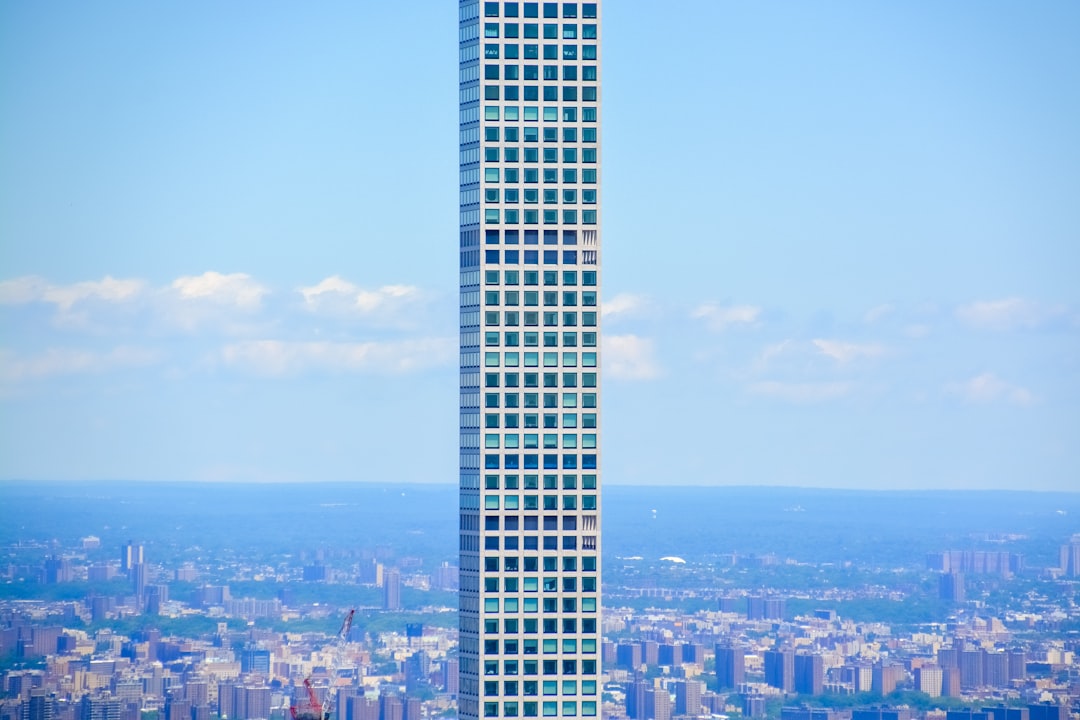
[530, 346]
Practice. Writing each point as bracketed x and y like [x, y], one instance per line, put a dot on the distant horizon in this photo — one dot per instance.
[607, 484]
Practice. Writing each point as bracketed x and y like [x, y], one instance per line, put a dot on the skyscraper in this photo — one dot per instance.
[529, 274]
[392, 590]
[730, 666]
[780, 669]
[809, 674]
[130, 555]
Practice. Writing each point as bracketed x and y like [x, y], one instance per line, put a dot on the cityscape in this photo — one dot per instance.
[979, 620]
[798, 443]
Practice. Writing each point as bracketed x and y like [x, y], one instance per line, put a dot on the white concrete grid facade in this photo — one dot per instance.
[530, 457]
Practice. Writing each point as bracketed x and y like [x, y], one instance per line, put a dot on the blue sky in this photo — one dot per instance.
[841, 243]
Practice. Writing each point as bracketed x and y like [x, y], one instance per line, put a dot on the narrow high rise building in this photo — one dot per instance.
[529, 91]
[730, 666]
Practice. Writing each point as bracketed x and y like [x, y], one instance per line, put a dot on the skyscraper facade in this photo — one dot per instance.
[529, 91]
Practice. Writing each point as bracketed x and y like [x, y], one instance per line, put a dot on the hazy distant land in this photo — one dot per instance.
[697, 523]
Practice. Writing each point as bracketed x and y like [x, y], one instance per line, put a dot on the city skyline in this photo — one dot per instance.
[859, 242]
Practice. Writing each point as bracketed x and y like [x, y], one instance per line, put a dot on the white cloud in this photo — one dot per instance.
[389, 304]
[68, 361]
[845, 352]
[277, 358]
[624, 304]
[1007, 314]
[31, 288]
[719, 318]
[877, 313]
[805, 392]
[236, 289]
[629, 357]
[988, 388]
[776, 350]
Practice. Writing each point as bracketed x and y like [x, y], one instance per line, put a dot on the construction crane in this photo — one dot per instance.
[310, 707]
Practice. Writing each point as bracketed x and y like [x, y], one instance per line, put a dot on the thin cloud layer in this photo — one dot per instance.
[801, 392]
[236, 289]
[385, 305]
[989, 388]
[845, 352]
[278, 358]
[624, 305]
[31, 288]
[719, 318]
[1007, 314]
[629, 357]
[72, 361]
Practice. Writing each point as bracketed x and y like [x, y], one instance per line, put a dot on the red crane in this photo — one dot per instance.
[310, 708]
